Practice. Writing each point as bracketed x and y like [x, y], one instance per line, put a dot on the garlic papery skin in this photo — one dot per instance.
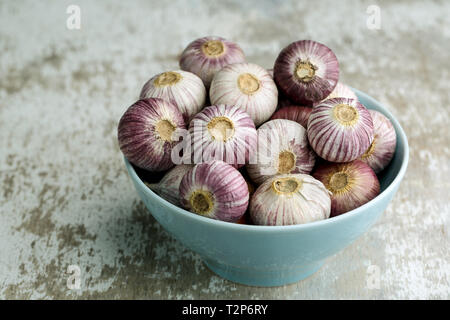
[146, 132]
[282, 148]
[290, 199]
[247, 86]
[294, 113]
[184, 89]
[381, 151]
[340, 91]
[215, 190]
[224, 133]
[340, 129]
[168, 187]
[207, 55]
[351, 184]
[306, 72]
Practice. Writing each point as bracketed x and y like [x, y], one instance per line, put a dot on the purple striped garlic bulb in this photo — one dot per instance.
[381, 151]
[352, 184]
[207, 55]
[247, 86]
[290, 199]
[340, 91]
[224, 133]
[340, 129]
[294, 113]
[168, 187]
[146, 132]
[215, 190]
[184, 89]
[282, 148]
[306, 72]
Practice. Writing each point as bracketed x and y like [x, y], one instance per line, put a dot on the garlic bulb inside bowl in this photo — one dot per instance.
[381, 151]
[224, 133]
[184, 89]
[247, 86]
[205, 56]
[306, 72]
[290, 199]
[215, 190]
[146, 133]
[282, 148]
[352, 184]
[340, 129]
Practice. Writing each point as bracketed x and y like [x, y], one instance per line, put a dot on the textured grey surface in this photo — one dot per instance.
[65, 198]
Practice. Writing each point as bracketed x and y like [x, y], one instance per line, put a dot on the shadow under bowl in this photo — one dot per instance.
[276, 255]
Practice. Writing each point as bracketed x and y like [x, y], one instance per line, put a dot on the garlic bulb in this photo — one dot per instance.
[169, 186]
[306, 72]
[352, 184]
[222, 133]
[290, 199]
[216, 190]
[340, 91]
[381, 151]
[207, 55]
[340, 129]
[184, 89]
[145, 133]
[294, 113]
[247, 86]
[282, 148]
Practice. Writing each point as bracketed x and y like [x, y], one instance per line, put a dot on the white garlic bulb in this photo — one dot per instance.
[184, 89]
[290, 199]
[247, 86]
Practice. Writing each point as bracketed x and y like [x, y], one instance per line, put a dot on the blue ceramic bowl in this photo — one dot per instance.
[276, 255]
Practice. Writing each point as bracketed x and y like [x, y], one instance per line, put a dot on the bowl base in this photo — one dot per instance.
[261, 278]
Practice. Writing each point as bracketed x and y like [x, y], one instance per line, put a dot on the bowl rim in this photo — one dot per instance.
[292, 228]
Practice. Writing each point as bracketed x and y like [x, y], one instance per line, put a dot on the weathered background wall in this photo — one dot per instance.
[65, 198]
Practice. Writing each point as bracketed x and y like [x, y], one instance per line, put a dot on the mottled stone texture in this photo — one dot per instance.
[65, 198]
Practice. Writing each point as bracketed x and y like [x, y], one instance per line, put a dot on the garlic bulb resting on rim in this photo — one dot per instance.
[294, 113]
[247, 86]
[381, 151]
[169, 186]
[222, 133]
[290, 199]
[282, 148]
[351, 184]
[184, 89]
[340, 129]
[215, 190]
[145, 133]
[207, 55]
[306, 72]
[340, 91]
